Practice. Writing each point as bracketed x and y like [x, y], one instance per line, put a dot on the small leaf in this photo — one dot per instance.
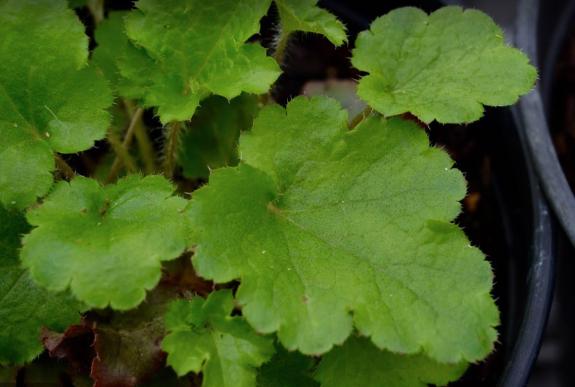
[328, 229]
[112, 42]
[51, 100]
[105, 243]
[442, 67]
[203, 337]
[24, 307]
[211, 139]
[287, 369]
[306, 16]
[188, 50]
[358, 363]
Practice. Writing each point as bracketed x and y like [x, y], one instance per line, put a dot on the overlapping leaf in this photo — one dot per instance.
[105, 243]
[51, 101]
[305, 15]
[203, 337]
[112, 43]
[287, 369]
[359, 363]
[211, 139]
[187, 50]
[24, 307]
[442, 67]
[320, 222]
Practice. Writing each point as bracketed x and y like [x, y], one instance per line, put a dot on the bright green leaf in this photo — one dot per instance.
[24, 307]
[51, 101]
[211, 139]
[190, 49]
[338, 228]
[287, 369]
[305, 15]
[358, 363]
[112, 42]
[105, 243]
[442, 67]
[203, 337]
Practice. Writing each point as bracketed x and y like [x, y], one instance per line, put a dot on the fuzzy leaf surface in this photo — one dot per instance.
[105, 243]
[359, 363]
[24, 307]
[203, 337]
[306, 16]
[187, 50]
[211, 139]
[328, 229]
[51, 100]
[444, 66]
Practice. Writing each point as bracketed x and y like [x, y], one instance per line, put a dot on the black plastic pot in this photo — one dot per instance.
[513, 225]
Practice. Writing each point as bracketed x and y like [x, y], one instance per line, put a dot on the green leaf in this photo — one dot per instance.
[203, 337]
[51, 100]
[442, 67]
[112, 42]
[358, 363]
[328, 228]
[306, 16]
[287, 369]
[24, 307]
[190, 49]
[211, 139]
[105, 243]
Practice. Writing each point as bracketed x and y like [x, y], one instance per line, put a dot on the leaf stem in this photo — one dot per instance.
[173, 132]
[136, 118]
[360, 117]
[121, 152]
[281, 47]
[64, 167]
[145, 146]
[96, 8]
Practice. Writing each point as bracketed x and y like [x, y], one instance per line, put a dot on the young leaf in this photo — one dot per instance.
[190, 49]
[112, 42]
[287, 369]
[306, 16]
[203, 337]
[335, 221]
[211, 140]
[24, 307]
[359, 363]
[442, 67]
[105, 243]
[51, 101]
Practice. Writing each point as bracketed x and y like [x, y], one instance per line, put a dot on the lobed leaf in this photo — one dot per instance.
[444, 66]
[188, 50]
[328, 229]
[203, 337]
[105, 243]
[359, 363]
[51, 100]
[306, 16]
[24, 307]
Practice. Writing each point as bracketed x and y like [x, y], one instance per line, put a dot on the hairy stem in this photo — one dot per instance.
[145, 146]
[360, 117]
[281, 47]
[64, 168]
[96, 8]
[173, 132]
[122, 153]
[136, 118]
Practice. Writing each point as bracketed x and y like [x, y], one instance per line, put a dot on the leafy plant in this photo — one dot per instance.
[322, 250]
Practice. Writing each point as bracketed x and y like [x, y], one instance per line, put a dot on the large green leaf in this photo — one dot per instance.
[24, 307]
[358, 363]
[105, 243]
[287, 369]
[51, 101]
[328, 228]
[190, 49]
[203, 337]
[442, 67]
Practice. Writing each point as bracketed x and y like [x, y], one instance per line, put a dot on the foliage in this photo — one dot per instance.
[323, 244]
